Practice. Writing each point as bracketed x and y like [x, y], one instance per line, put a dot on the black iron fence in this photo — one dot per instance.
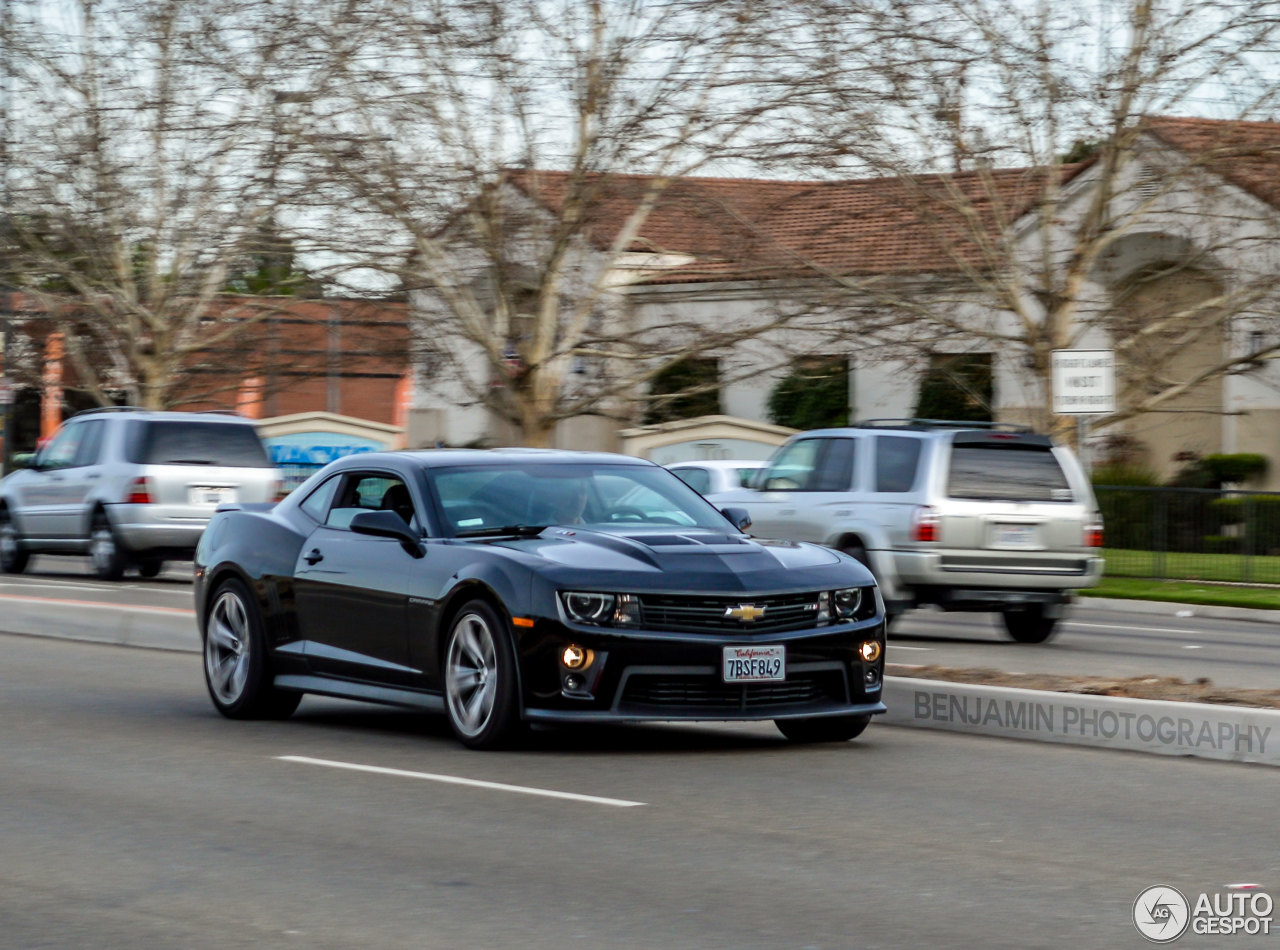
[1191, 534]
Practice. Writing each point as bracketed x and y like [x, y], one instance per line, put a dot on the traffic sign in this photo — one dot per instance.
[1084, 382]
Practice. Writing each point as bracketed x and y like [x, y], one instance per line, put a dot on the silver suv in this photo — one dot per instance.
[131, 487]
[964, 516]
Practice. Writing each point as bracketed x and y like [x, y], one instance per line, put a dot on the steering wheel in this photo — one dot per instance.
[628, 513]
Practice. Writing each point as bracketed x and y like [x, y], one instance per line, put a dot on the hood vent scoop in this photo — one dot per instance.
[670, 540]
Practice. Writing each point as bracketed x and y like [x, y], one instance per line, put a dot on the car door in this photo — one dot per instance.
[803, 479]
[352, 590]
[45, 496]
[78, 480]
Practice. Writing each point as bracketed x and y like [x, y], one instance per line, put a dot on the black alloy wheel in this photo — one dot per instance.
[236, 668]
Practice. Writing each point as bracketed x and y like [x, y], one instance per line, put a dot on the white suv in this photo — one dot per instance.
[964, 516]
[131, 487]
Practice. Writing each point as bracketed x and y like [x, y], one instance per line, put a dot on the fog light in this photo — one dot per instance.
[871, 677]
[869, 650]
[573, 683]
[576, 657]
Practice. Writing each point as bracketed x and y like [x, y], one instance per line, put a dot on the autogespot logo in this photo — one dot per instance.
[1161, 913]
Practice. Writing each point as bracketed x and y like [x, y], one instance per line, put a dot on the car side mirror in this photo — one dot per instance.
[387, 524]
[738, 517]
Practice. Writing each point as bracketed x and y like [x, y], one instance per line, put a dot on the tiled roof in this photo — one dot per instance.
[740, 228]
[1247, 154]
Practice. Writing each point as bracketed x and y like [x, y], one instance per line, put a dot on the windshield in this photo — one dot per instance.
[478, 499]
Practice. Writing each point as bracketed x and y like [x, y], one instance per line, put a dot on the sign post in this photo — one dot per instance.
[1084, 384]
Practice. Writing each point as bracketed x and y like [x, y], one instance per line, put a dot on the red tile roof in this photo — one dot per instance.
[1247, 154]
[761, 228]
[742, 228]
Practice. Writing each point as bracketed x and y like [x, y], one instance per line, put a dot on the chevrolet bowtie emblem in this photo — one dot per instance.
[745, 612]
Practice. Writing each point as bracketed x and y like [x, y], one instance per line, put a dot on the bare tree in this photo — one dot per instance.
[505, 161]
[144, 178]
[1029, 145]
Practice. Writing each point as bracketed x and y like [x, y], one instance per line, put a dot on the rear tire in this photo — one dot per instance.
[480, 682]
[829, 729]
[13, 554]
[1030, 625]
[150, 566]
[109, 558]
[236, 669]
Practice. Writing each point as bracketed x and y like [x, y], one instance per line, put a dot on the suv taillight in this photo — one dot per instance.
[1093, 532]
[924, 524]
[139, 492]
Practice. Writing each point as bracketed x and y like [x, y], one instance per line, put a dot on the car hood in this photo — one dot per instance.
[682, 559]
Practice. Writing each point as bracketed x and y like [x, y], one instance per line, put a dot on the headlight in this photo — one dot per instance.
[847, 602]
[601, 610]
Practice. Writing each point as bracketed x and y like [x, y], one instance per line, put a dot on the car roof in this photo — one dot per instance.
[132, 412]
[507, 457]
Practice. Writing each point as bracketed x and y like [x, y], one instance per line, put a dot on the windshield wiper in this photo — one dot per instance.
[520, 530]
[187, 462]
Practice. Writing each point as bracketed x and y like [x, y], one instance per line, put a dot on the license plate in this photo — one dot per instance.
[755, 664]
[210, 495]
[1014, 536]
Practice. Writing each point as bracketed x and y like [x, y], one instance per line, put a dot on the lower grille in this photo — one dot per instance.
[686, 691]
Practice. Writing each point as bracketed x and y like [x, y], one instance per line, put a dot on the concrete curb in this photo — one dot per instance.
[1224, 733]
[1162, 608]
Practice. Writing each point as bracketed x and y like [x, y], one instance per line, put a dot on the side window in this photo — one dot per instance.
[792, 468]
[371, 491]
[90, 448]
[699, 479]
[836, 471]
[61, 452]
[316, 504]
[897, 458]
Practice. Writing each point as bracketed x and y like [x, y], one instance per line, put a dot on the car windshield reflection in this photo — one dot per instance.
[480, 501]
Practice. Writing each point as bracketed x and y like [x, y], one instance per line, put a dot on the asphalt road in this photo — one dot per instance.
[131, 815]
[1097, 638]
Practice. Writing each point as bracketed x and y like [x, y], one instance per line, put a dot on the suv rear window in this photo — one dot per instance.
[1003, 473]
[179, 442]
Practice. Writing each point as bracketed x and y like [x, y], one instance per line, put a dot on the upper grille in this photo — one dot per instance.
[696, 613]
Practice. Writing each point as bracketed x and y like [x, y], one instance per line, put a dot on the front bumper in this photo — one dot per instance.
[648, 676]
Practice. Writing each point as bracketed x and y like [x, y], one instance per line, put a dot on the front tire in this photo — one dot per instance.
[1030, 625]
[236, 669]
[109, 558]
[13, 555]
[480, 678]
[827, 729]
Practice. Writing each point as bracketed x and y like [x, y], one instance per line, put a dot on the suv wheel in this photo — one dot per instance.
[13, 556]
[108, 556]
[1029, 625]
[150, 566]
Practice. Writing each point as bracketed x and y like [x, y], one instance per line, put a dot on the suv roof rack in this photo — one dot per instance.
[90, 412]
[940, 424]
[203, 412]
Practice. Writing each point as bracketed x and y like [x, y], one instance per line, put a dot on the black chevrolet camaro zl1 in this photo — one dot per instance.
[521, 586]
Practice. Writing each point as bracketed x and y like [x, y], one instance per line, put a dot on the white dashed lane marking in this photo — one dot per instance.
[458, 780]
